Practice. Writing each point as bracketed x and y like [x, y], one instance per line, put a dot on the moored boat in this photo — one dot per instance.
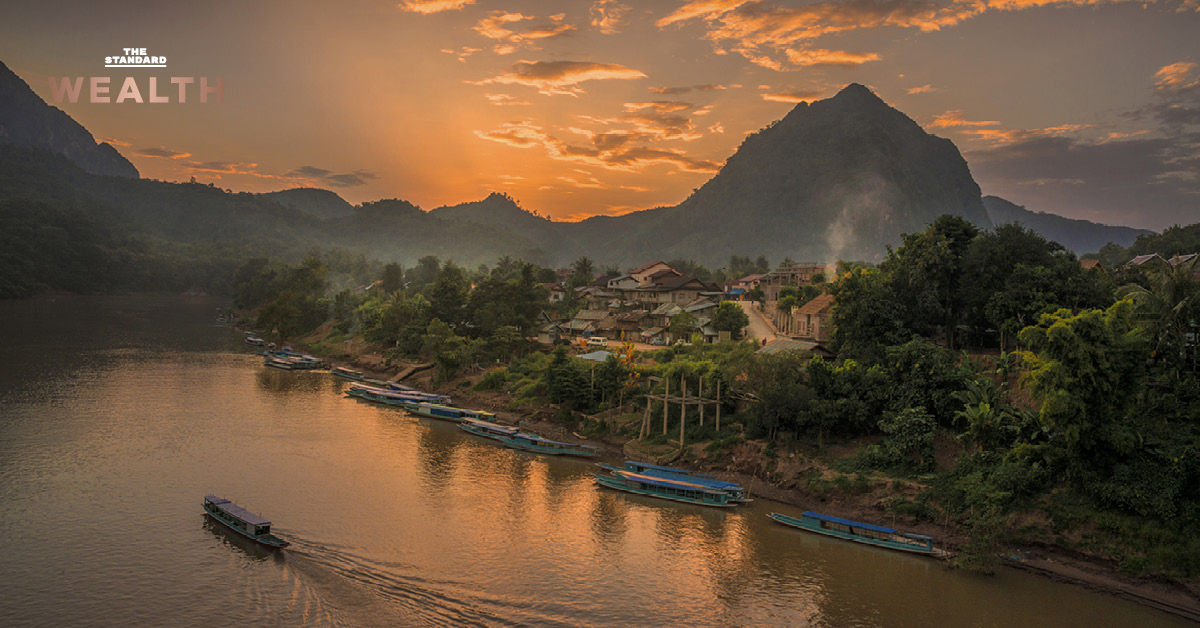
[278, 363]
[516, 439]
[859, 532]
[242, 521]
[347, 373]
[254, 341]
[736, 492]
[663, 488]
[447, 413]
[393, 397]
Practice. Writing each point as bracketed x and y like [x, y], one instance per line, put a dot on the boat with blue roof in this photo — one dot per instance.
[662, 488]
[736, 492]
[514, 438]
[390, 397]
[242, 521]
[446, 413]
[869, 534]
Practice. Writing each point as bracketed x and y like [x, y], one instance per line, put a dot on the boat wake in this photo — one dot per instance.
[384, 593]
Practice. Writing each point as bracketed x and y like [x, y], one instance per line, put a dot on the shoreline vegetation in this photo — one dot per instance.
[988, 389]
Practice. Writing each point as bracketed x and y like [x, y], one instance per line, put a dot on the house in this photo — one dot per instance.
[642, 274]
[812, 320]
[549, 331]
[793, 274]
[557, 292]
[1142, 259]
[739, 288]
[670, 288]
[629, 325]
[702, 307]
[1089, 264]
[622, 283]
[585, 322]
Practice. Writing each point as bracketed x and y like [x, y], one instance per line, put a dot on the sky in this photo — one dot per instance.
[1084, 108]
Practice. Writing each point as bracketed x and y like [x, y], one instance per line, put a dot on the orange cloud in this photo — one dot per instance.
[609, 16]
[163, 152]
[505, 100]
[498, 25]
[1009, 136]
[611, 150]
[954, 118]
[116, 142]
[433, 6]
[561, 77]
[792, 97]
[659, 106]
[462, 53]
[819, 56]
[675, 91]
[924, 89]
[1176, 76]
[753, 25]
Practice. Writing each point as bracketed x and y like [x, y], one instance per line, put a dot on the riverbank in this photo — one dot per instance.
[789, 476]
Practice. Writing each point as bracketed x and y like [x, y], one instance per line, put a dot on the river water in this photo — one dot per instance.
[117, 414]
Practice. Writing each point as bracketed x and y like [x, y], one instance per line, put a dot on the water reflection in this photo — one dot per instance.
[239, 543]
[282, 382]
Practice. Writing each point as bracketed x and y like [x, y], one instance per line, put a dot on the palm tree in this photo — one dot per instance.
[1169, 309]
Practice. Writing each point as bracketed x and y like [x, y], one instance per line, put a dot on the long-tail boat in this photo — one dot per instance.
[446, 413]
[347, 373]
[663, 488]
[859, 532]
[242, 521]
[516, 439]
[736, 492]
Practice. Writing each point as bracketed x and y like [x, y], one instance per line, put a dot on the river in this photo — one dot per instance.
[117, 414]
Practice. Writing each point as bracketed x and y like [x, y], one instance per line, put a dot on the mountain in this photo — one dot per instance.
[501, 211]
[839, 178]
[313, 201]
[1080, 236]
[27, 121]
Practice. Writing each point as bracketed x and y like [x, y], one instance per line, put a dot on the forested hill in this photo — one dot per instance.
[1080, 236]
[27, 121]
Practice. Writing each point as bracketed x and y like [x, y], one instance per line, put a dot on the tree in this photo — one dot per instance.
[868, 314]
[1087, 369]
[682, 324]
[927, 271]
[448, 296]
[393, 278]
[583, 272]
[730, 317]
[1169, 310]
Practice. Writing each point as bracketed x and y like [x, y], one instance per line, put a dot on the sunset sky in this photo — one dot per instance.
[1089, 109]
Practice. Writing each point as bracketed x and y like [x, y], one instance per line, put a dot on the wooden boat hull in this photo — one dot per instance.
[621, 485]
[525, 445]
[736, 492]
[808, 526]
[266, 540]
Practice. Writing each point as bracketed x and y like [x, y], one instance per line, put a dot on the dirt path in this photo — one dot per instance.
[759, 328]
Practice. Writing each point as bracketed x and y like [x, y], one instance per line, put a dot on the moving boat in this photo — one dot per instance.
[859, 532]
[735, 490]
[516, 439]
[663, 488]
[446, 413]
[242, 521]
[345, 373]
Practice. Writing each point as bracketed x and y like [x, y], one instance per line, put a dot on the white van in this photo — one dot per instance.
[597, 341]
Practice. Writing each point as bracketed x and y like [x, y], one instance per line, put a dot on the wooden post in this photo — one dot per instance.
[642, 433]
[700, 396]
[666, 394]
[718, 405]
[682, 409]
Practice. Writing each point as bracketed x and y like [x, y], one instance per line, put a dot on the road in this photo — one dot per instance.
[758, 328]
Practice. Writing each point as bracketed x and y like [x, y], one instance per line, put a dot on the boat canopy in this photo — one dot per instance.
[847, 522]
[917, 537]
[237, 511]
[664, 482]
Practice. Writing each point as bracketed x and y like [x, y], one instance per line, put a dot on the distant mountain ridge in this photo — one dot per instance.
[27, 121]
[1080, 236]
[840, 178]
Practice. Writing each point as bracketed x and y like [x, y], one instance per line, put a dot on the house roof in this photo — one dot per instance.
[633, 316]
[816, 306]
[595, 356]
[1089, 264]
[673, 282]
[750, 278]
[591, 315]
[1181, 259]
[782, 345]
[648, 266]
[666, 309]
[699, 304]
[621, 277]
[1142, 259]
